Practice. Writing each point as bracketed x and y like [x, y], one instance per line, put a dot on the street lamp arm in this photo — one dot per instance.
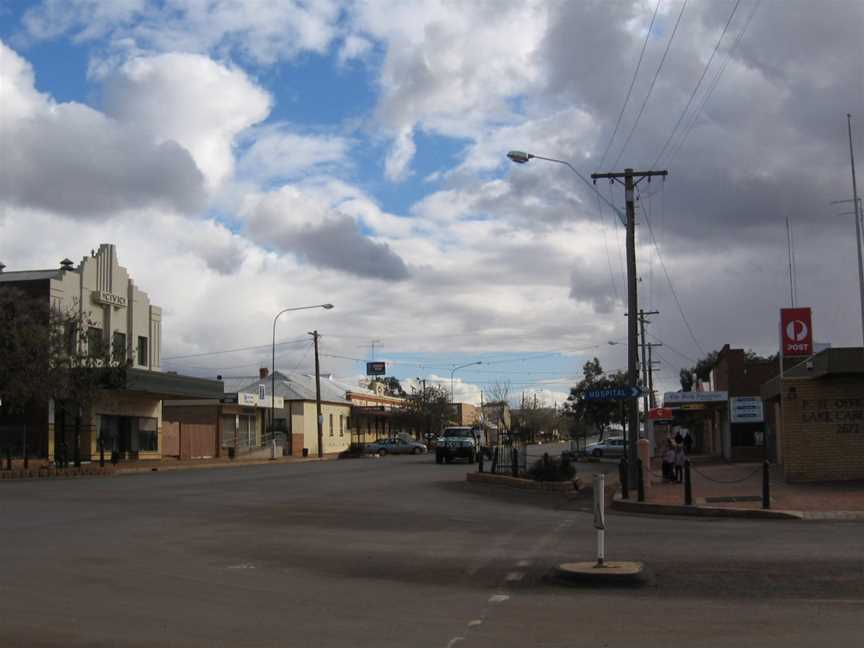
[453, 371]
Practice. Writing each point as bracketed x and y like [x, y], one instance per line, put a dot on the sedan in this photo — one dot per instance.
[612, 447]
[395, 446]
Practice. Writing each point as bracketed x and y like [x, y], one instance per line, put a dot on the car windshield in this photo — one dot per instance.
[457, 433]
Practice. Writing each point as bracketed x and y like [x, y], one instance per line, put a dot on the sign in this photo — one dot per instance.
[693, 407]
[796, 332]
[376, 368]
[105, 297]
[661, 414]
[746, 409]
[262, 391]
[838, 415]
[695, 397]
[255, 400]
[613, 393]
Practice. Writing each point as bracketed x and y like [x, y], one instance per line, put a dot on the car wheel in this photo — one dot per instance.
[597, 453]
[438, 458]
[382, 452]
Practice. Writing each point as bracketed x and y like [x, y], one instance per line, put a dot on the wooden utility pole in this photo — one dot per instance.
[631, 178]
[646, 400]
[319, 416]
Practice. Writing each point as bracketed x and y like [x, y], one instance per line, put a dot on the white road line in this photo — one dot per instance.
[523, 563]
[454, 641]
[474, 623]
[515, 576]
[498, 598]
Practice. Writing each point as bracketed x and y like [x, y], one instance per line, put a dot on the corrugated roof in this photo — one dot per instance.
[29, 275]
[291, 386]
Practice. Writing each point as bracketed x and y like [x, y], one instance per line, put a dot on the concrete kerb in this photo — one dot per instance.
[610, 573]
[632, 506]
[524, 484]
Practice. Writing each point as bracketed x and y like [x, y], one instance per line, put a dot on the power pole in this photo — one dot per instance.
[857, 207]
[651, 364]
[631, 178]
[320, 417]
[646, 400]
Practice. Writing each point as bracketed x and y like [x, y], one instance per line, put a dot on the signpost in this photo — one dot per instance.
[746, 409]
[376, 369]
[613, 393]
[600, 516]
[796, 332]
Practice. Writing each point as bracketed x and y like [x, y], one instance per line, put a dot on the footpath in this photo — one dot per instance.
[735, 490]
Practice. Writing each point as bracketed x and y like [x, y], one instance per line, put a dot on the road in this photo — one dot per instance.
[397, 552]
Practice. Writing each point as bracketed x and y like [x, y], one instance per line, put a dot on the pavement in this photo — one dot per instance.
[397, 552]
[738, 487]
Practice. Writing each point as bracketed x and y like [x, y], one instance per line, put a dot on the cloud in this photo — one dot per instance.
[399, 157]
[189, 99]
[72, 159]
[276, 153]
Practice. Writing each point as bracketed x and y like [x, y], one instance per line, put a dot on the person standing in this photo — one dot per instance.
[669, 462]
[688, 442]
[679, 459]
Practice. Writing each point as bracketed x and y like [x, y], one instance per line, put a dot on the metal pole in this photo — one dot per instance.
[857, 209]
[624, 476]
[652, 398]
[766, 485]
[600, 516]
[640, 482]
[688, 484]
[273, 377]
[645, 400]
[320, 418]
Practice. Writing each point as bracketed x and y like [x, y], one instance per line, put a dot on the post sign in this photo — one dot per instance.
[661, 414]
[376, 368]
[796, 332]
[613, 393]
[746, 409]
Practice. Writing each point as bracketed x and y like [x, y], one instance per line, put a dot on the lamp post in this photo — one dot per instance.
[453, 371]
[273, 358]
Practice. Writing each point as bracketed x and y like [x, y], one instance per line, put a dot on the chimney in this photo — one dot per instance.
[263, 372]
[66, 264]
[2, 265]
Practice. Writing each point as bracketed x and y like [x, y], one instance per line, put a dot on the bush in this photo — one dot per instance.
[552, 469]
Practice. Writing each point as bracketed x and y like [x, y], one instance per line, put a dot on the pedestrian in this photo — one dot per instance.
[669, 462]
[678, 438]
[680, 458]
[688, 442]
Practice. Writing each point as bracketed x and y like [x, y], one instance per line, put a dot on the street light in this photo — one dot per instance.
[453, 371]
[857, 213]
[273, 374]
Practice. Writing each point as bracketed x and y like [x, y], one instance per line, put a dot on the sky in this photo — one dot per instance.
[247, 157]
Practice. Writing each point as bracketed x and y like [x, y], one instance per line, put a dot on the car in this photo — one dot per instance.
[398, 445]
[611, 447]
[456, 443]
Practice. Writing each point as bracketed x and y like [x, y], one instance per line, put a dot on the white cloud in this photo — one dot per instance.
[277, 152]
[189, 99]
[399, 157]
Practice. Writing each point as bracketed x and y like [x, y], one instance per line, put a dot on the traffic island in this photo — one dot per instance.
[523, 483]
[609, 573]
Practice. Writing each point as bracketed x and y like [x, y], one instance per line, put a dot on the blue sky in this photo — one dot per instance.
[245, 158]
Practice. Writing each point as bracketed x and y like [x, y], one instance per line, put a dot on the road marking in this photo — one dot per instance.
[475, 623]
[515, 576]
[498, 598]
[523, 563]
[454, 641]
[242, 566]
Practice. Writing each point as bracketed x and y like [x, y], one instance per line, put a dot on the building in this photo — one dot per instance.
[815, 410]
[127, 418]
[375, 414]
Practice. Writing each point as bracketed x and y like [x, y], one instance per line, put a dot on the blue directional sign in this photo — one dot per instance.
[613, 393]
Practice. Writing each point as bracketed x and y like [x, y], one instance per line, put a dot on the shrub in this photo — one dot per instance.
[552, 469]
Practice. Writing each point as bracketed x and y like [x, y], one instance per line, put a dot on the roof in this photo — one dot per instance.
[291, 386]
[171, 385]
[830, 362]
[29, 275]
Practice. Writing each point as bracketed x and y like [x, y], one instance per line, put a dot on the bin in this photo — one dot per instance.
[305, 452]
[231, 452]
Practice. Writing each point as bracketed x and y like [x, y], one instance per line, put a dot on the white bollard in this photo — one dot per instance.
[600, 516]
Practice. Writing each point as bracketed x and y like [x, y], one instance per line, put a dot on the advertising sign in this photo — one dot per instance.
[376, 368]
[746, 409]
[695, 397]
[796, 332]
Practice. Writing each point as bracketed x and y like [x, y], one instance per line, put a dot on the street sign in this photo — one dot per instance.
[613, 393]
[796, 332]
[661, 414]
[376, 368]
[746, 409]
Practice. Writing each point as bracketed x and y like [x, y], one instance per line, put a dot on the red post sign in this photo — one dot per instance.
[661, 414]
[796, 332]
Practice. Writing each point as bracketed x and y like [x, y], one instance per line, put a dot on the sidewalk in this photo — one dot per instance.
[733, 489]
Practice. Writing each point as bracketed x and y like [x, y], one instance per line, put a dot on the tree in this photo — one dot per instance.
[496, 403]
[593, 414]
[392, 386]
[702, 371]
[427, 409]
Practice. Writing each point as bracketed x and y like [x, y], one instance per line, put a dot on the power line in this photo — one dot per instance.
[714, 83]
[671, 285]
[651, 87]
[698, 84]
[223, 351]
[632, 83]
[674, 350]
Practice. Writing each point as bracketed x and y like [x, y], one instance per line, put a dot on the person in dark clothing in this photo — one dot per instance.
[678, 438]
[688, 442]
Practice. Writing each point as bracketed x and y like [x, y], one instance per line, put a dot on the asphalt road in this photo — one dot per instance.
[397, 552]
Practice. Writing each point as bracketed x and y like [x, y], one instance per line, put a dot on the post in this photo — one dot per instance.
[645, 399]
[319, 416]
[514, 454]
[632, 308]
[77, 449]
[640, 483]
[101, 452]
[688, 485]
[600, 516]
[26, 462]
[623, 474]
[652, 398]
[857, 209]
[8, 456]
[766, 485]
[480, 460]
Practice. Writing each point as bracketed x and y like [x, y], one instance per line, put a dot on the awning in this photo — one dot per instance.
[171, 385]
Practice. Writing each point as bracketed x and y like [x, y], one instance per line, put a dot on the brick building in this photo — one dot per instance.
[816, 412]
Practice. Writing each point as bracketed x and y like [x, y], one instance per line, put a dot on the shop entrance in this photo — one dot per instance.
[128, 435]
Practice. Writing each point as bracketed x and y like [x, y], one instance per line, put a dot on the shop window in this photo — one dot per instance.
[331, 425]
[148, 435]
[118, 347]
[94, 342]
[142, 351]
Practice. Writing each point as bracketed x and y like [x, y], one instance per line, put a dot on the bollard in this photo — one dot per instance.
[766, 485]
[494, 460]
[688, 485]
[8, 457]
[101, 453]
[515, 459]
[624, 476]
[114, 457]
[26, 454]
[640, 483]
[480, 460]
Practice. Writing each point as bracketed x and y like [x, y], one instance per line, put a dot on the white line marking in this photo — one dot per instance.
[454, 641]
[523, 563]
[475, 623]
[498, 598]
[515, 576]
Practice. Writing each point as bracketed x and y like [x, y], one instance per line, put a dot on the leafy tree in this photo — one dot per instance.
[702, 370]
[427, 409]
[392, 386]
[592, 414]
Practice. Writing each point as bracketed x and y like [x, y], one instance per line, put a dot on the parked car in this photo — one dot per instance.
[456, 443]
[395, 446]
[611, 447]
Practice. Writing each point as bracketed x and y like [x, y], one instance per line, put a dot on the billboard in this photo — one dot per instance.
[796, 332]
[376, 369]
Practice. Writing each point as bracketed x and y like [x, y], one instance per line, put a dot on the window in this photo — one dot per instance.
[341, 425]
[142, 351]
[331, 425]
[118, 347]
[94, 342]
[148, 435]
